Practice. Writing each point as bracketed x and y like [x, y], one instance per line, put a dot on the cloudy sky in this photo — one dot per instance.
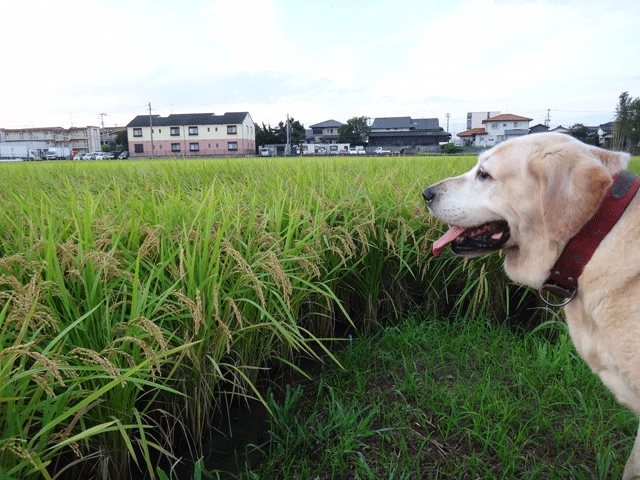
[65, 62]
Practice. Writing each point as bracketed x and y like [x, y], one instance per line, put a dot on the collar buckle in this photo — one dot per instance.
[567, 294]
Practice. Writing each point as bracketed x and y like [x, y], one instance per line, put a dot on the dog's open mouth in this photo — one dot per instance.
[474, 241]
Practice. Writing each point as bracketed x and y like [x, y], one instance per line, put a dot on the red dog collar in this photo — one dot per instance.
[563, 280]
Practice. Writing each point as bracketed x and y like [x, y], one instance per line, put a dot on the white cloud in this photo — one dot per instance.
[336, 59]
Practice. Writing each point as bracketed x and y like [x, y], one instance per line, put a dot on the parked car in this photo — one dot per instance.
[79, 156]
[91, 155]
[353, 151]
[101, 155]
[108, 155]
[381, 151]
[360, 150]
[123, 155]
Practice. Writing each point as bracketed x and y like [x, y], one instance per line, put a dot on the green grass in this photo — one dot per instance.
[459, 399]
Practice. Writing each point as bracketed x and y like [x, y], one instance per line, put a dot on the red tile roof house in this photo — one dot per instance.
[475, 137]
[497, 129]
[192, 135]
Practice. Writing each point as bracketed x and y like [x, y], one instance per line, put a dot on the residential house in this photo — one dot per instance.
[324, 132]
[80, 139]
[475, 137]
[605, 134]
[496, 130]
[539, 128]
[404, 131]
[192, 134]
[505, 126]
[561, 129]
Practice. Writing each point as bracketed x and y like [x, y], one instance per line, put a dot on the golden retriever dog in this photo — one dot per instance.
[532, 197]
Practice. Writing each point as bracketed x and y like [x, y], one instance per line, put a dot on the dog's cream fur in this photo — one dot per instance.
[547, 186]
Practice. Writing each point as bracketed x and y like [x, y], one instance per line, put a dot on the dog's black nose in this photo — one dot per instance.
[428, 194]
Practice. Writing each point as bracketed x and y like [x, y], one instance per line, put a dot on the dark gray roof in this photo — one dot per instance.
[176, 119]
[405, 123]
[426, 124]
[327, 124]
[607, 128]
[418, 133]
[538, 128]
[391, 122]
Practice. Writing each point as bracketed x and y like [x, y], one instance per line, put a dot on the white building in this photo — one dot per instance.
[496, 130]
[506, 126]
[474, 119]
[80, 139]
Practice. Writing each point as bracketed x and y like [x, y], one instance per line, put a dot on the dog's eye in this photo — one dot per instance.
[482, 175]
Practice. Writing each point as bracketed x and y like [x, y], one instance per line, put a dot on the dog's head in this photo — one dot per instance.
[527, 196]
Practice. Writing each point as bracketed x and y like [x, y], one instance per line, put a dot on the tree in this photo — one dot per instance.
[122, 140]
[268, 135]
[298, 135]
[355, 131]
[581, 132]
[265, 135]
[626, 128]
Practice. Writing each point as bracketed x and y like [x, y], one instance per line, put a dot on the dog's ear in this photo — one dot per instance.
[571, 191]
[612, 161]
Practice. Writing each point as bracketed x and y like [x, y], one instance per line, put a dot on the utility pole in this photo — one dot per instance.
[448, 115]
[151, 128]
[102, 115]
[287, 147]
[547, 120]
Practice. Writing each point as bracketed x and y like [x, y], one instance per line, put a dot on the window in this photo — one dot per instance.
[232, 130]
[175, 131]
[193, 130]
[515, 124]
[233, 146]
[317, 131]
[194, 146]
[159, 130]
[137, 132]
[175, 147]
[494, 125]
[138, 148]
[208, 129]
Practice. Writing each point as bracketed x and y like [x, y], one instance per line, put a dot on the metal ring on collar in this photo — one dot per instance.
[567, 294]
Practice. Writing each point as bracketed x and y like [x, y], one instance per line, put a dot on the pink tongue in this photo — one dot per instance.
[447, 238]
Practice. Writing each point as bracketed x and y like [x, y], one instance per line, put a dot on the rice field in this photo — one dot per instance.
[135, 296]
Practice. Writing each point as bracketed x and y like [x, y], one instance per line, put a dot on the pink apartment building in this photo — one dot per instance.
[192, 135]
